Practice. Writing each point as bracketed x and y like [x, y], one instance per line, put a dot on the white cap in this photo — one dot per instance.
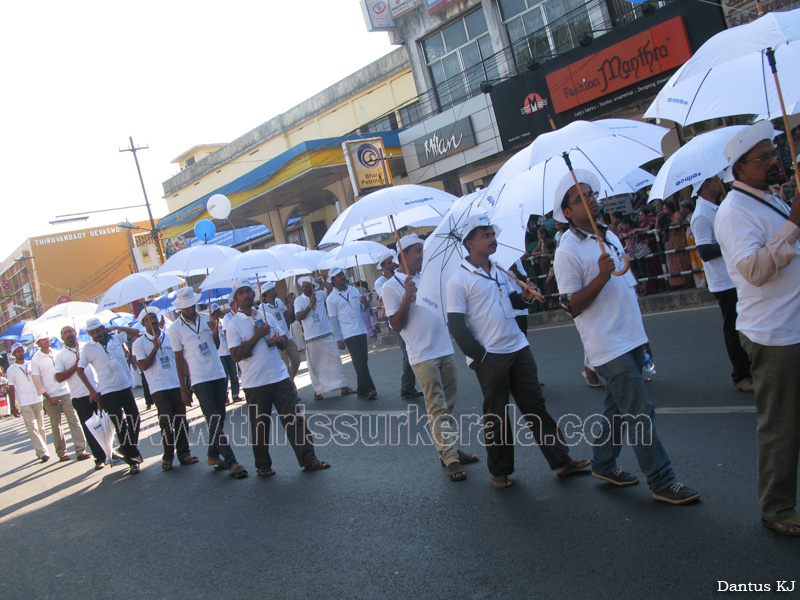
[15, 346]
[305, 279]
[93, 323]
[743, 141]
[270, 285]
[333, 273]
[240, 283]
[149, 310]
[185, 298]
[384, 257]
[41, 335]
[409, 240]
[215, 308]
[699, 183]
[583, 176]
[477, 220]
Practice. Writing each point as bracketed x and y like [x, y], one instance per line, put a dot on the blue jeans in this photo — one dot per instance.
[628, 406]
[212, 396]
[232, 374]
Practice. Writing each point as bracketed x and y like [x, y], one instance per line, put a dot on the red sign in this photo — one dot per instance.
[63, 299]
[640, 57]
[6, 286]
[533, 103]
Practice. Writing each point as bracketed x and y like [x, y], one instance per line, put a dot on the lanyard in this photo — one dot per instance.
[346, 297]
[160, 341]
[197, 332]
[479, 273]
[764, 202]
[23, 369]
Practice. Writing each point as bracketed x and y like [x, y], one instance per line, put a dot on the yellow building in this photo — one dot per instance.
[293, 166]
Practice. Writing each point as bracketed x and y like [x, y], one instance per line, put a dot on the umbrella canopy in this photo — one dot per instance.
[254, 265]
[18, 332]
[67, 310]
[311, 258]
[694, 162]
[391, 202]
[164, 302]
[196, 260]
[352, 254]
[730, 73]
[135, 287]
[427, 215]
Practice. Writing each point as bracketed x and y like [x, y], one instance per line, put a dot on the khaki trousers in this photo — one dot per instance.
[291, 358]
[438, 379]
[34, 422]
[63, 406]
[776, 378]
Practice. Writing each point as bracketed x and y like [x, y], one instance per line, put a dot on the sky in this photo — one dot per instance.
[81, 77]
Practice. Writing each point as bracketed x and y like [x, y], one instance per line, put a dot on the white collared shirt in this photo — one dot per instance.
[20, 378]
[278, 310]
[346, 307]
[484, 300]
[316, 322]
[379, 283]
[44, 366]
[768, 314]
[223, 337]
[264, 366]
[110, 364]
[612, 324]
[425, 334]
[705, 213]
[162, 373]
[65, 360]
[196, 341]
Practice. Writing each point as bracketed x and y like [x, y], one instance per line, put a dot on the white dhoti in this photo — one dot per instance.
[324, 365]
[297, 334]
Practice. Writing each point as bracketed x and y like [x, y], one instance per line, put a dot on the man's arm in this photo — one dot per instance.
[131, 332]
[581, 300]
[399, 318]
[180, 366]
[146, 362]
[12, 398]
[93, 395]
[457, 324]
[64, 375]
[244, 348]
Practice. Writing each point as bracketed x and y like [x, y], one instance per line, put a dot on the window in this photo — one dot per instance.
[455, 56]
[540, 29]
[387, 123]
[411, 115]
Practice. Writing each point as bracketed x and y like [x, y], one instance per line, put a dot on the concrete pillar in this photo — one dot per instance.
[343, 191]
[275, 220]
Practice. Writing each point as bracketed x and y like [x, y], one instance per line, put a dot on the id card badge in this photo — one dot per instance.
[259, 322]
[165, 362]
[505, 303]
[314, 317]
[204, 349]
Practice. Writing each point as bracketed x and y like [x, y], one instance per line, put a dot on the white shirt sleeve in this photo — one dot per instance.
[569, 274]
[703, 230]
[138, 349]
[233, 334]
[456, 296]
[175, 338]
[83, 362]
[391, 301]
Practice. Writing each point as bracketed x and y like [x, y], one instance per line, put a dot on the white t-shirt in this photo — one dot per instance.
[705, 213]
[44, 366]
[278, 311]
[484, 300]
[196, 341]
[162, 373]
[316, 323]
[346, 307]
[110, 364]
[768, 315]
[379, 283]
[19, 377]
[65, 360]
[425, 334]
[264, 366]
[223, 337]
[612, 324]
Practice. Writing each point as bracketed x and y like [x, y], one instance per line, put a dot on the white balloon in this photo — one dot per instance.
[219, 206]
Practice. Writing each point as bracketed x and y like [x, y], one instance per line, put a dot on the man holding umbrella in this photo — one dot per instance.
[276, 307]
[609, 322]
[345, 306]
[114, 392]
[758, 234]
[480, 314]
[195, 340]
[156, 360]
[322, 356]
[255, 339]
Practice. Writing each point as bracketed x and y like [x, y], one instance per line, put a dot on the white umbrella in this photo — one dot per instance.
[351, 254]
[137, 286]
[311, 258]
[698, 160]
[73, 314]
[256, 266]
[736, 72]
[101, 427]
[196, 260]
[66, 310]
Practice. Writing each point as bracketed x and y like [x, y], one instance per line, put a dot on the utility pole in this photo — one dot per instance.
[153, 231]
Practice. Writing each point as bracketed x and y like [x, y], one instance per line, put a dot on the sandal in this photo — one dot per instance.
[238, 472]
[463, 458]
[316, 465]
[501, 481]
[372, 395]
[574, 466]
[455, 472]
[788, 526]
[134, 469]
[262, 472]
[188, 460]
[166, 465]
[592, 380]
[217, 463]
[319, 396]
[346, 391]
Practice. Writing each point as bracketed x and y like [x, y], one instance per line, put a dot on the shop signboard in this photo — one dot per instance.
[445, 141]
[367, 165]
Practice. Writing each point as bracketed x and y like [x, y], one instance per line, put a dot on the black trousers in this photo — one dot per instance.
[738, 357]
[408, 382]
[260, 401]
[517, 373]
[121, 407]
[172, 421]
[85, 408]
[357, 346]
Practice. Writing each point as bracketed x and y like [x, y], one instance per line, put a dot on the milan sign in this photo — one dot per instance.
[445, 141]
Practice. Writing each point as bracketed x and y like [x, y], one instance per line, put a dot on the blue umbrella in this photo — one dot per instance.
[15, 332]
[164, 302]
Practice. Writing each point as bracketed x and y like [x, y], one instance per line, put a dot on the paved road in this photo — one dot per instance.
[384, 522]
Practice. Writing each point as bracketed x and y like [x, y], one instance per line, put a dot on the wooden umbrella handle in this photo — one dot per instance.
[522, 284]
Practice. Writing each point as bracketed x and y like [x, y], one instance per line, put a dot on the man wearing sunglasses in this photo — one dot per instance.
[609, 322]
[758, 235]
